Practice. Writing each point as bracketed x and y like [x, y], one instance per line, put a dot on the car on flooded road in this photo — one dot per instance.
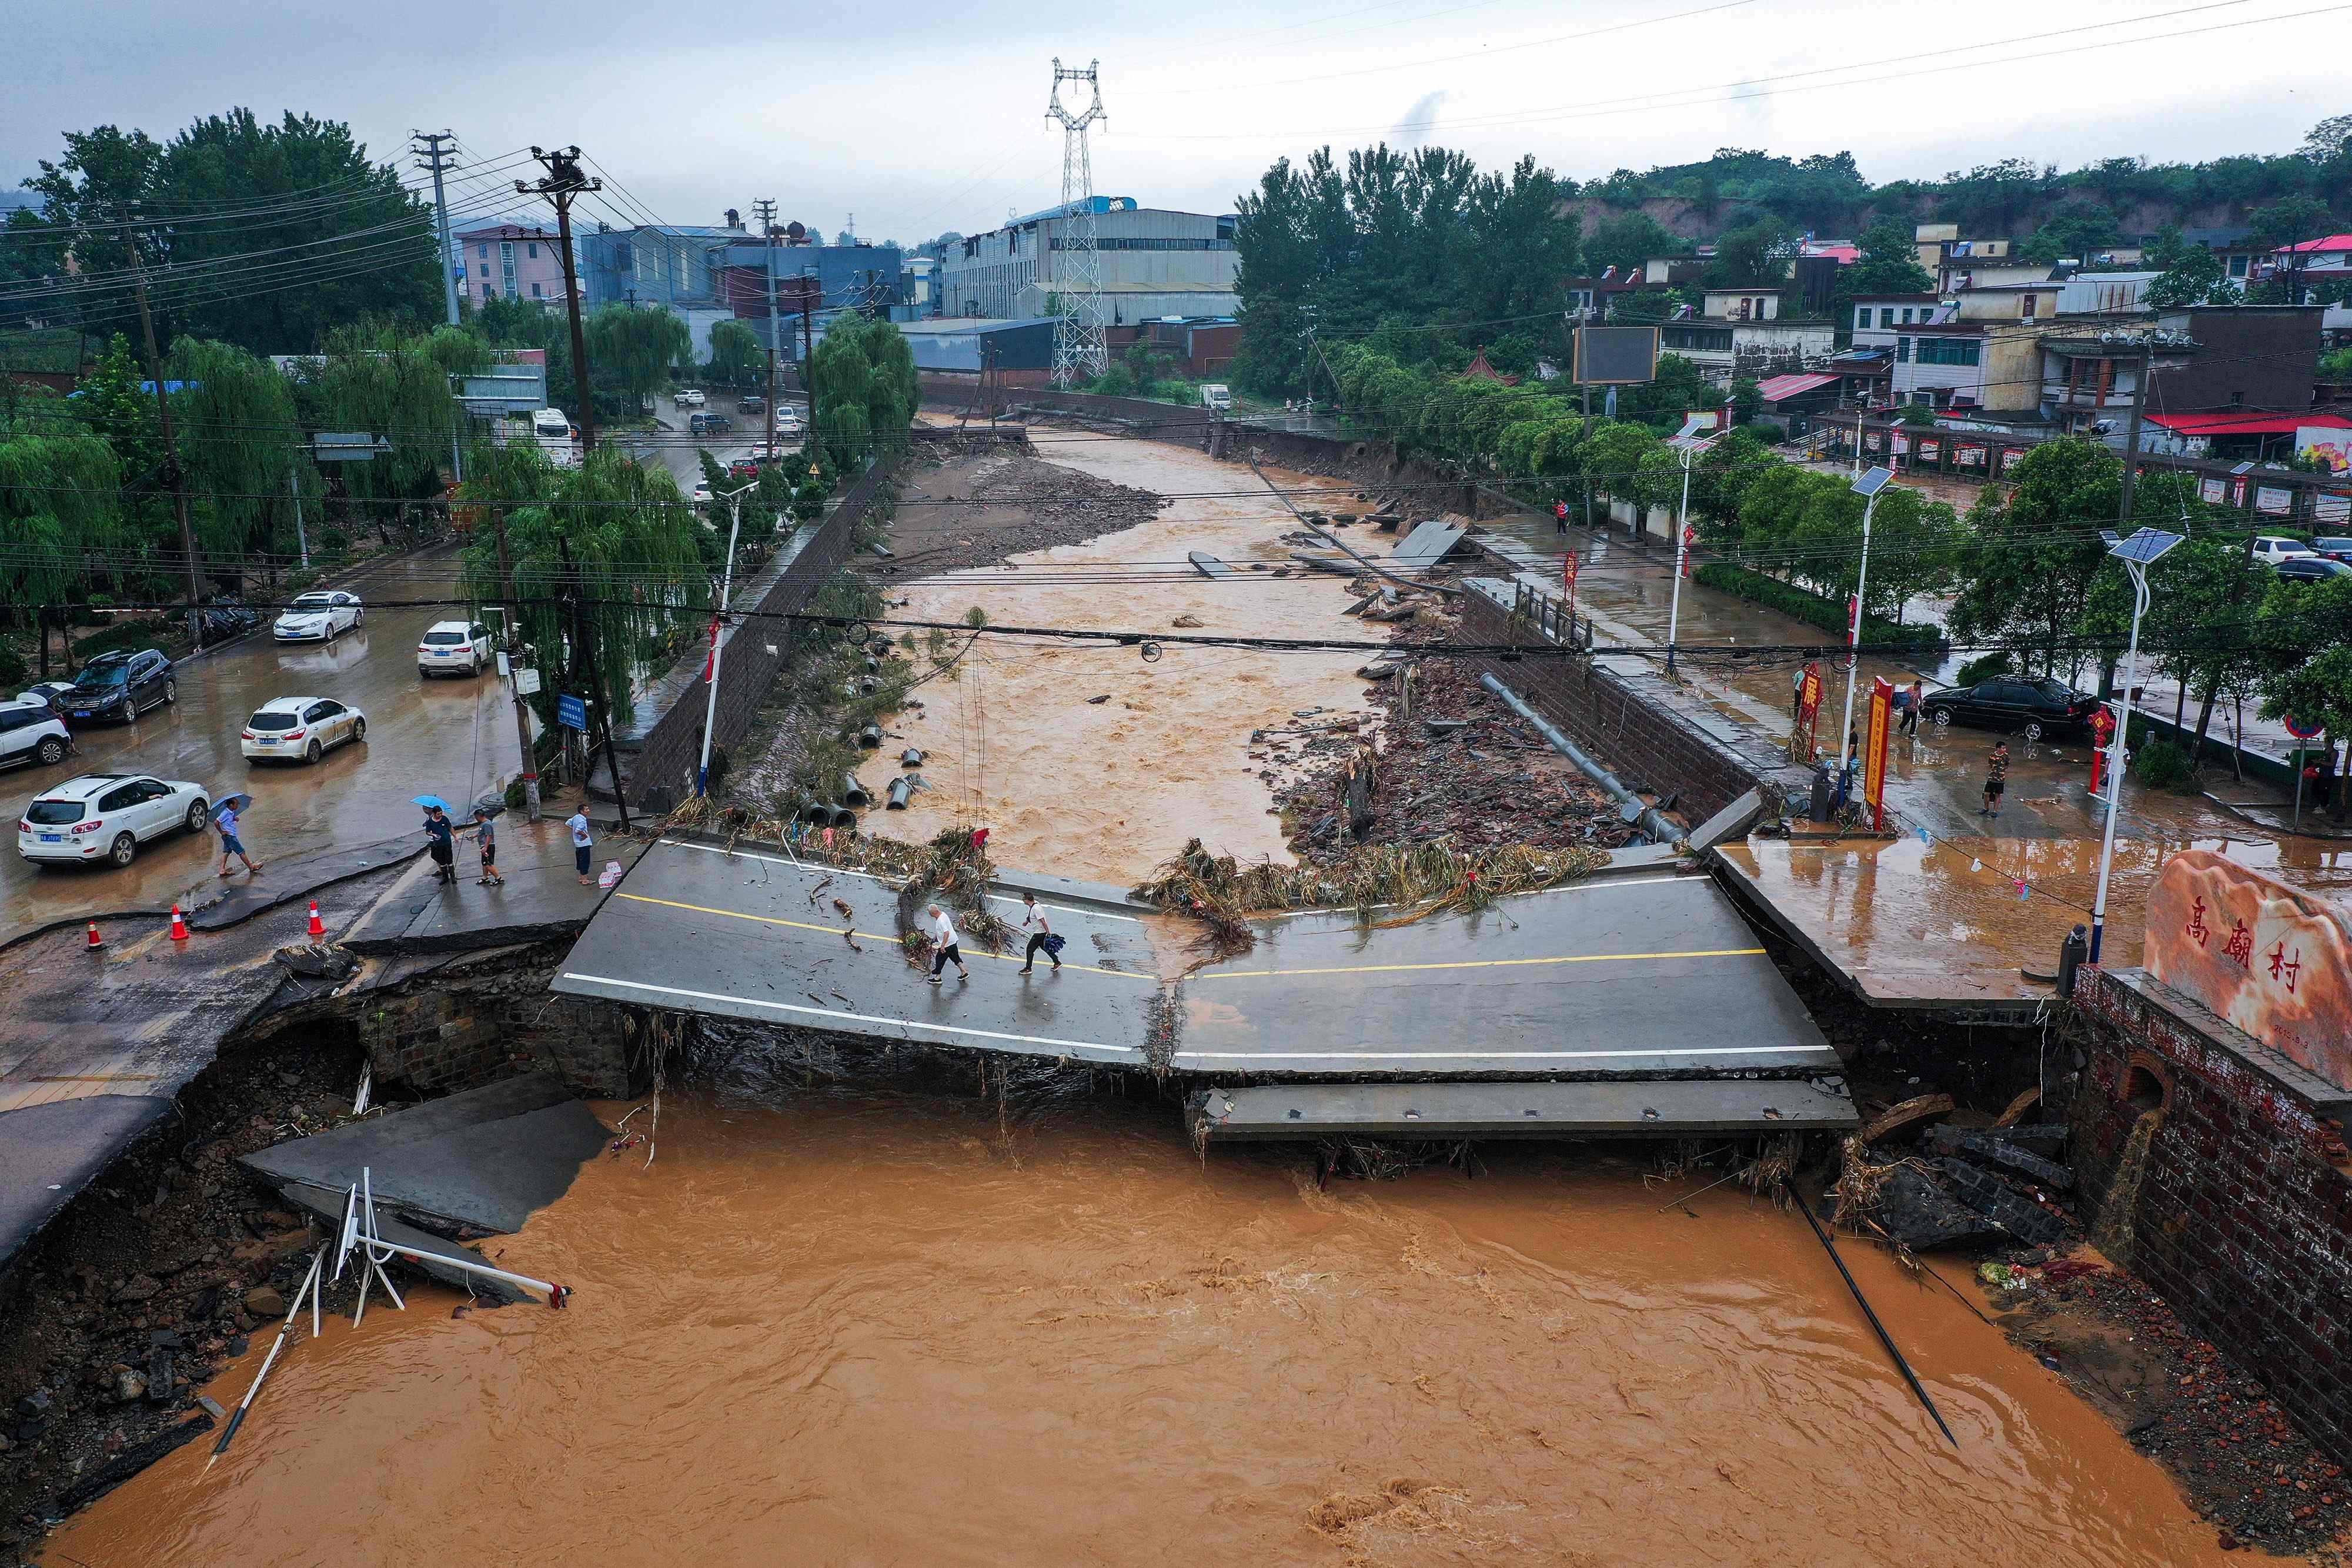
[2032, 705]
[318, 617]
[31, 731]
[455, 648]
[104, 818]
[299, 729]
[119, 685]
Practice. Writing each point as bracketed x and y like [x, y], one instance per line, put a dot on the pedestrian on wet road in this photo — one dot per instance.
[1913, 696]
[225, 821]
[1041, 934]
[583, 842]
[1996, 778]
[1560, 515]
[486, 839]
[943, 932]
[441, 843]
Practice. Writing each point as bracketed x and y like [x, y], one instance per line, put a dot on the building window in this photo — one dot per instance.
[535, 293]
[1887, 316]
[1861, 319]
[2026, 309]
[1902, 350]
[534, 252]
[1950, 350]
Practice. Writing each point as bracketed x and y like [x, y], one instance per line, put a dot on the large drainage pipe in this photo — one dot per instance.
[853, 793]
[901, 787]
[1649, 821]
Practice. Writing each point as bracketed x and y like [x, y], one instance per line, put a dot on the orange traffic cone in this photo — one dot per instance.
[317, 927]
[95, 941]
[179, 926]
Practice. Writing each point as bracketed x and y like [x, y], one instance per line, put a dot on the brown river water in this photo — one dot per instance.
[852, 1325]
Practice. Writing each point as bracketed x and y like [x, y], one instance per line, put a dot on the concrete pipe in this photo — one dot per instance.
[872, 665]
[868, 684]
[902, 789]
[843, 817]
[817, 813]
[871, 735]
[910, 757]
[853, 793]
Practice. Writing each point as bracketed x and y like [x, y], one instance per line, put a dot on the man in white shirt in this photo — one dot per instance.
[943, 934]
[1041, 934]
[583, 842]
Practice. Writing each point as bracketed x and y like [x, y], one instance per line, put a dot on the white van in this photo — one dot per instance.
[1214, 394]
[551, 423]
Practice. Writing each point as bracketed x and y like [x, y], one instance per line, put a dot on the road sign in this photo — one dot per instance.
[571, 713]
[346, 447]
[2301, 731]
[526, 682]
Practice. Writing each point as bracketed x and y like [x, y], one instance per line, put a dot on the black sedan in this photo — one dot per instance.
[121, 685]
[2033, 706]
[2311, 568]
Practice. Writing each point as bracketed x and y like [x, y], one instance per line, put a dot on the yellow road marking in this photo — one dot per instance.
[1481, 964]
[869, 935]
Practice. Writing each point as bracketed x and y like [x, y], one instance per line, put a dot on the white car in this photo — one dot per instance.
[701, 491]
[455, 648]
[690, 398]
[106, 817]
[31, 731]
[787, 419]
[287, 729]
[318, 617]
[2273, 548]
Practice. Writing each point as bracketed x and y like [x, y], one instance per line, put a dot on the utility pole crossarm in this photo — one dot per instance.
[435, 154]
[562, 185]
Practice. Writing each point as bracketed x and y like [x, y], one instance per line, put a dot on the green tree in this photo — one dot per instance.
[2077, 229]
[387, 384]
[2192, 274]
[864, 383]
[1628, 239]
[636, 349]
[1754, 257]
[2304, 636]
[59, 502]
[2026, 563]
[240, 443]
[737, 355]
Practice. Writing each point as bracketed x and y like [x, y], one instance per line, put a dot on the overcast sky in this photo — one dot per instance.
[921, 116]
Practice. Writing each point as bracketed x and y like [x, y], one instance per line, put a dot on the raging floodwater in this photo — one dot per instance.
[871, 1326]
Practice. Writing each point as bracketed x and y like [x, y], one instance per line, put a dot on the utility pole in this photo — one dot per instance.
[172, 470]
[437, 155]
[585, 647]
[767, 210]
[2131, 433]
[514, 653]
[562, 183]
[808, 359]
[734, 499]
[294, 488]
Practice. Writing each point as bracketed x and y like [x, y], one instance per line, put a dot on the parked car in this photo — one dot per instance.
[121, 686]
[706, 424]
[687, 397]
[743, 469]
[318, 617]
[2311, 568]
[107, 816]
[702, 490]
[751, 403]
[31, 731]
[2034, 706]
[2337, 547]
[455, 648]
[50, 691]
[286, 728]
[787, 419]
[2273, 548]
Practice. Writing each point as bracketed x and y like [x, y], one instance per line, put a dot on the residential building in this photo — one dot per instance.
[1957, 263]
[1725, 348]
[2240, 257]
[1153, 262]
[2249, 357]
[2090, 378]
[1867, 367]
[510, 261]
[2032, 301]
[1758, 304]
[2104, 293]
[1989, 364]
[2332, 253]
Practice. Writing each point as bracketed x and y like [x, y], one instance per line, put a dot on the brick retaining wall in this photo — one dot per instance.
[459, 1027]
[1629, 723]
[2243, 1220]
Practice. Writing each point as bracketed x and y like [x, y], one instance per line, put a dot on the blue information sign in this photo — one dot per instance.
[572, 713]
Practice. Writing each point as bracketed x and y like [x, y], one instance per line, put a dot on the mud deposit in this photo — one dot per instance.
[1106, 789]
[884, 1327]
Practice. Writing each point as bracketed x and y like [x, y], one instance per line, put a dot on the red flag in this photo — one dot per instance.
[710, 659]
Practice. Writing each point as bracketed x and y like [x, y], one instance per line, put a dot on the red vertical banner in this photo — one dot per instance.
[1567, 569]
[1874, 737]
[1808, 706]
[1690, 543]
[2102, 730]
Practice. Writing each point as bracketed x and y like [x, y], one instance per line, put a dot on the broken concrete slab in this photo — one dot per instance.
[2027, 1220]
[1989, 1149]
[49, 1153]
[488, 1157]
[1428, 544]
[1919, 1215]
[1732, 822]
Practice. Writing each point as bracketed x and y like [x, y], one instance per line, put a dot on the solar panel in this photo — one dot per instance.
[1872, 481]
[2145, 546]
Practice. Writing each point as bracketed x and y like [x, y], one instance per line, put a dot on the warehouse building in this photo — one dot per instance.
[1155, 263]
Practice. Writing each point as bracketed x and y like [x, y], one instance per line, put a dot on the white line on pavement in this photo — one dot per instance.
[887, 881]
[853, 1018]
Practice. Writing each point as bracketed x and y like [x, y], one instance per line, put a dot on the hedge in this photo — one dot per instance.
[1809, 608]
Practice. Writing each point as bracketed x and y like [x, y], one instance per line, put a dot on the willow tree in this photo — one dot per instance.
[239, 441]
[635, 348]
[59, 509]
[864, 389]
[607, 561]
[390, 386]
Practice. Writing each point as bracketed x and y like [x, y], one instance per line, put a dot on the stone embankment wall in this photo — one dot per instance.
[2235, 1205]
[491, 1017]
[1628, 721]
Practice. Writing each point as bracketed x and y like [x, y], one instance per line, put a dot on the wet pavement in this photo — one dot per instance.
[449, 737]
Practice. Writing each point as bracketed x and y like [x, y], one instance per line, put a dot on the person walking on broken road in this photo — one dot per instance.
[943, 934]
[583, 842]
[1996, 778]
[1041, 934]
[486, 838]
[225, 821]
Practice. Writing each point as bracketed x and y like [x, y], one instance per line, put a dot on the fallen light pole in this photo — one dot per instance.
[310, 1287]
[734, 499]
[2138, 553]
[372, 1244]
[1864, 1302]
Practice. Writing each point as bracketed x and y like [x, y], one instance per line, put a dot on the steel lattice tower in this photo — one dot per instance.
[1078, 348]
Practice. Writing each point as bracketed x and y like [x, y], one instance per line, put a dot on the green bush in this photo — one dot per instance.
[12, 666]
[1809, 608]
[2162, 765]
[142, 633]
[1983, 667]
[334, 541]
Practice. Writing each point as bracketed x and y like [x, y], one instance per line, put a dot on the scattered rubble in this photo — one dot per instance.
[982, 500]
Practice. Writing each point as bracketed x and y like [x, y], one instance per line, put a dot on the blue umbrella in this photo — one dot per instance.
[240, 802]
[433, 800]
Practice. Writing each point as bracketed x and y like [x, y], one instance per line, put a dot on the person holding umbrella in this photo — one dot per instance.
[225, 818]
[440, 842]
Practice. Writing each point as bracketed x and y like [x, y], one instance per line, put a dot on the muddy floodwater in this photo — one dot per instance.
[883, 1327]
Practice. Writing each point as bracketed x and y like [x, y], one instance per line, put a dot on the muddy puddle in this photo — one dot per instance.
[1104, 791]
[875, 1326]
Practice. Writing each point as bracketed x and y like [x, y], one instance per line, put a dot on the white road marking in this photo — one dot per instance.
[853, 1018]
[887, 881]
[1268, 1056]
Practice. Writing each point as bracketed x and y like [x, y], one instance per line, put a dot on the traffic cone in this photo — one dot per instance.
[317, 927]
[179, 926]
[95, 941]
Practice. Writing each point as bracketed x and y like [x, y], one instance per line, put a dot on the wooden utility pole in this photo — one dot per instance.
[808, 365]
[562, 184]
[766, 209]
[173, 473]
[2131, 434]
[585, 646]
[514, 652]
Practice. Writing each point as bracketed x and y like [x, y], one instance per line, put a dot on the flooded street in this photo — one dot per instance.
[877, 1327]
[1104, 791]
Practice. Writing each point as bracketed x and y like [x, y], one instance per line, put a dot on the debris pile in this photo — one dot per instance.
[1926, 1186]
[982, 501]
[953, 872]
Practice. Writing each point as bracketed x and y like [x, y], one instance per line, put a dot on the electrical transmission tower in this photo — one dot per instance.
[1078, 349]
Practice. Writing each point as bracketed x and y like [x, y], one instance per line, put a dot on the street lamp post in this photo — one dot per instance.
[2138, 553]
[1867, 487]
[734, 499]
[1692, 444]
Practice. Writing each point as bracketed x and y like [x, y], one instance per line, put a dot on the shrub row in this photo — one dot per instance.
[1810, 608]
